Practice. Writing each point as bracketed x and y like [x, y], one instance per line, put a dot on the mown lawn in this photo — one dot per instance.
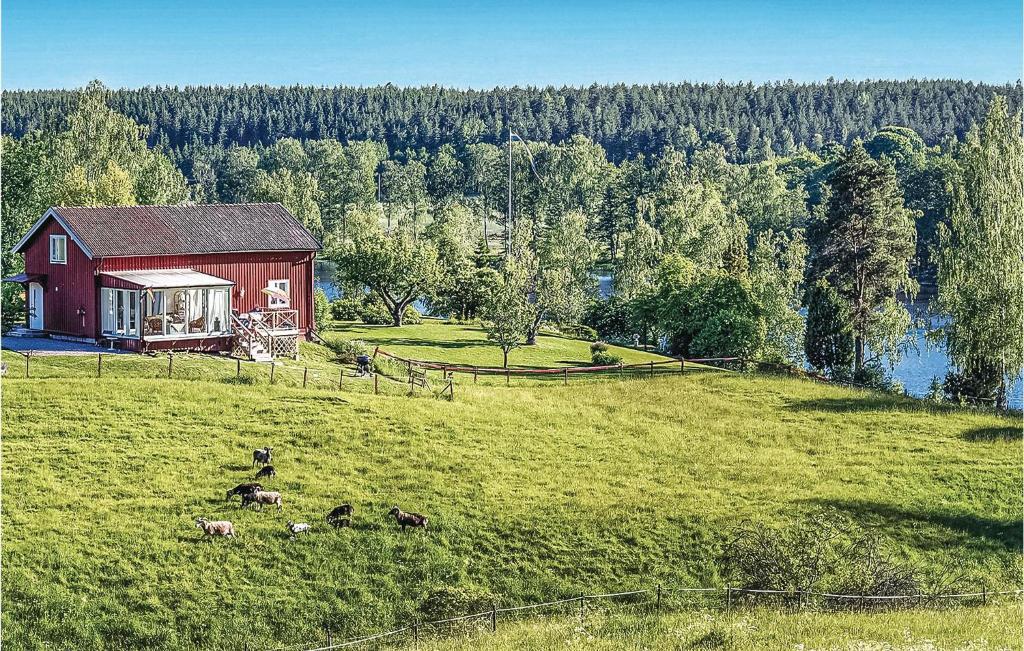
[454, 343]
[533, 493]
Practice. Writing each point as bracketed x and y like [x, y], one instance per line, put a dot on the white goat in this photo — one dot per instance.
[297, 528]
[216, 528]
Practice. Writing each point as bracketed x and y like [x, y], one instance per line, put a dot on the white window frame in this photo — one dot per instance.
[63, 239]
[113, 324]
[208, 314]
[283, 283]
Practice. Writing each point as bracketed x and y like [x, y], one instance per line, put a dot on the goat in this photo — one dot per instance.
[266, 471]
[262, 457]
[242, 489]
[297, 528]
[408, 519]
[216, 528]
[262, 497]
[342, 512]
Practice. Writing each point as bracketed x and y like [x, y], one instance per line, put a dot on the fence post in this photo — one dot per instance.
[330, 640]
[682, 366]
[507, 377]
[565, 376]
[984, 595]
[305, 376]
[28, 354]
[238, 367]
[451, 390]
[376, 389]
[416, 633]
[728, 599]
[412, 387]
[799, 599]
[273, 365]
[341, 376]
[494, 618]
[583, 604]
[170, 363]
[652, 368]
[620, 369]
[99, 364]
[474, 375]
[657, 608]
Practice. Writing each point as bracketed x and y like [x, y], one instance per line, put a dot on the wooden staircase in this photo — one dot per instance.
[262, 336]
[251, 341]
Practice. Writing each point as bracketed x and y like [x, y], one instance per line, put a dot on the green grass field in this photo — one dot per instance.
[534, 492]
[977, 629]
[454, 343]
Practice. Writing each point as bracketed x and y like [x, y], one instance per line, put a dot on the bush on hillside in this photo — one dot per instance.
[599, 355]
[346, 309]
[579, 331]
[453, 601]
[347, 350]
[821, 552]
[321, 309]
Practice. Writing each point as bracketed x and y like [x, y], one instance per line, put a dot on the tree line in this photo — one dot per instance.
[805, 257]
[625, 120]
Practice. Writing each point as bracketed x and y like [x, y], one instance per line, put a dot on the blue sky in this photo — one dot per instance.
[64, 43]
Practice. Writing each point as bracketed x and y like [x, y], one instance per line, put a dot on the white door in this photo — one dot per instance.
[35, 306]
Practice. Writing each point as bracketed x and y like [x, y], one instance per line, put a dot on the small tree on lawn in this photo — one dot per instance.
[395, 268]
[507, 312]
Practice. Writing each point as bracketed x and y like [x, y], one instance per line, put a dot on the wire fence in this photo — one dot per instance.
[661, 599]
[558, 374]
[186, 366]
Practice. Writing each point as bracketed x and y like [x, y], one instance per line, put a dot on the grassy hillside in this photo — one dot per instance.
[995, 627]
[533, 492]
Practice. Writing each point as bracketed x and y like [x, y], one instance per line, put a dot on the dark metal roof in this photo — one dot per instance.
[115, 231]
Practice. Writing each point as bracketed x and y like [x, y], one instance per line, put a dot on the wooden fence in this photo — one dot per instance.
[564, 373]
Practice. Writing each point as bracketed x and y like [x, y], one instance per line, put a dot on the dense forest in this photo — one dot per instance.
[787, 223]
[624, 120]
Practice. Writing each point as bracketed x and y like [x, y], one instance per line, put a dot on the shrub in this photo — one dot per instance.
[346, 309]
[321, 309]
[602, 358]
[821, 552]
[347, 350]
[599, 355]
[453, 601]
[579, 331]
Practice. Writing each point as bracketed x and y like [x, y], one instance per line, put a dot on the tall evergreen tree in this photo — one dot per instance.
[864, 243]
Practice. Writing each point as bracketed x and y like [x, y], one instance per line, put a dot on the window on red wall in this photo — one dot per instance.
[283, 300]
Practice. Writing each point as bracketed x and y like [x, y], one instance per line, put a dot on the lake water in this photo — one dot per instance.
[915, 371]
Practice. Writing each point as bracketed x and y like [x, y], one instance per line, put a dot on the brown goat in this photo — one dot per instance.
[408, 519]
[216, 528]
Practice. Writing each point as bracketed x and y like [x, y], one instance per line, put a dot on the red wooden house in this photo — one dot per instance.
[219, 277]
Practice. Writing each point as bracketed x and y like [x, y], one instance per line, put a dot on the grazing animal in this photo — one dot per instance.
[242, 489]
[408, 519]
[297, 528]
[343, 512]
[216, 528]
[262, 457]
[259, 498]
[266, 471]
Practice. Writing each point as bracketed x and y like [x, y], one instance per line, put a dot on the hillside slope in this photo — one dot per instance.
[533, 492]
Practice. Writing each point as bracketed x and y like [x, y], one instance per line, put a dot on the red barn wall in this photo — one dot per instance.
[250, 271]
[67, 288]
